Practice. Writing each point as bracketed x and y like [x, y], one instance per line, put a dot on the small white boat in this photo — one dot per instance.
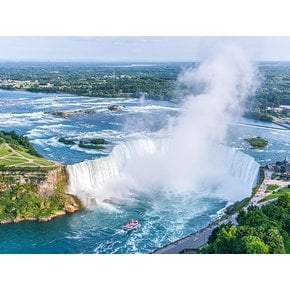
[131, 225]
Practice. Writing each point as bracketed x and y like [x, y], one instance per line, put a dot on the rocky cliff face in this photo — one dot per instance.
[46, 182]
[56, 183]
[47, 190]
[54, 178]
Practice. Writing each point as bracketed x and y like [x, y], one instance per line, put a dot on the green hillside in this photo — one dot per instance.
[17, 151]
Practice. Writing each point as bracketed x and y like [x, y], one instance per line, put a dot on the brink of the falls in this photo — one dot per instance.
[145, 165]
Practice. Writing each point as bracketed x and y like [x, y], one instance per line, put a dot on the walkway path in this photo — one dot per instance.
[262, 190]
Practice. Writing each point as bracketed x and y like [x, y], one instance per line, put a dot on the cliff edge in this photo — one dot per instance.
[31, 187]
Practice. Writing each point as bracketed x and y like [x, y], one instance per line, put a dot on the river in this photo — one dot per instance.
[165, 216]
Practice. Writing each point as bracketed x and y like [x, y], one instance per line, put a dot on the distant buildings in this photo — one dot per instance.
[281, 167]
[284, 107]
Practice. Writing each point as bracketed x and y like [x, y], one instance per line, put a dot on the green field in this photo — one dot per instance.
[43, 162]
[272, 187]
[4, 150]
[19, 158]
[276, 194]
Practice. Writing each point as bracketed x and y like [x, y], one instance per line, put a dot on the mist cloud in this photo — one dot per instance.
[223, 83]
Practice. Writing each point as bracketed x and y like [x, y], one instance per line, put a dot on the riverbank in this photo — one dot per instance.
[196, 239]
[70, 209]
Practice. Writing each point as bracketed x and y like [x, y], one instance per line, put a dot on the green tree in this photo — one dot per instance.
[273, 211]
[286, 224]
[224, 243]
[284, 200]
[254, 217]
[254, 245]
[275, 241]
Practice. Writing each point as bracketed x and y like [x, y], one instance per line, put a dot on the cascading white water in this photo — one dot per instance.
[239, 164]
[135, 165]
[88, 178]
[242, 170]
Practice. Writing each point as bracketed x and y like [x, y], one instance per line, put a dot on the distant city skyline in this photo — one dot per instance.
[136, 49]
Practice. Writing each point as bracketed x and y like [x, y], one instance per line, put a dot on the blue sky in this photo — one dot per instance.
[119, 48]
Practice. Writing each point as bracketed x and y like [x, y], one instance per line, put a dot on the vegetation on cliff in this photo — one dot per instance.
[24, 202]
[18, 142]
[17, 153]
[31, 187]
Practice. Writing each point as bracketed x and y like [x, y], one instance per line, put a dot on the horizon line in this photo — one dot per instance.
[116, 61]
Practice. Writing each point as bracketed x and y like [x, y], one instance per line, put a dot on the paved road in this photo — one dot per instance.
[194, 240]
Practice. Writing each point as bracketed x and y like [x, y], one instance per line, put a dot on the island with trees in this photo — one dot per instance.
[94, 143]
[257, 142]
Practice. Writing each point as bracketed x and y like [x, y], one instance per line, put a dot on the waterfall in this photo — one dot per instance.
[145, 164]
[88, 177]
[240, 165]
[242, 170]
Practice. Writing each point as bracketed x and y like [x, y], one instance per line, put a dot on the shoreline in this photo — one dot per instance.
[203, 233]
[38, 219]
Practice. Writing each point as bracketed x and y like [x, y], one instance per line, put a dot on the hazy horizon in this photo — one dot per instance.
[120, 62]
[135, 48]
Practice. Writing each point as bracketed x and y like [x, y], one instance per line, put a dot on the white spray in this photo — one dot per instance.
[224, 82]
[191, 157]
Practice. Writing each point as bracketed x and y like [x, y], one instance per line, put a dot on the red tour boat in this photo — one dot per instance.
[131, 225]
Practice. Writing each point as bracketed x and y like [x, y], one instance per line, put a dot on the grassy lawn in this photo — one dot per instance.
[9, 162]
[272, 187]
[14, 159]
[19, 159]
[36, 160]
[276, 194]
[27, 155]
[271, 196]
[4, 150]
[27, 165]
[283, 190]
[43, 162]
